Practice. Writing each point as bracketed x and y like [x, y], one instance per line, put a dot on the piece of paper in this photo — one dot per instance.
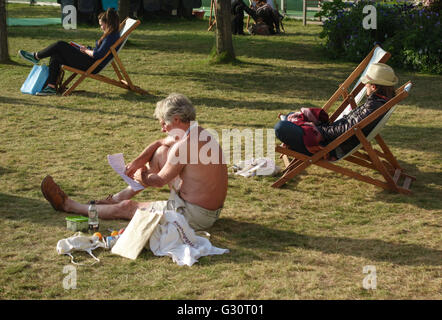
[116, 161]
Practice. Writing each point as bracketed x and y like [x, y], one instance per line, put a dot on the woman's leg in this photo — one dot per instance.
[54, 69]
[291, 134]
[62, 53]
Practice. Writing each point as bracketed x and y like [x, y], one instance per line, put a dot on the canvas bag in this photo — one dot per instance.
[137, 232]
[36, 79]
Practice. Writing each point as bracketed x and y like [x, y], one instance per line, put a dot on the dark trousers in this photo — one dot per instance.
[62, 53]
[291, 135]
[238, 8]
[238, 23]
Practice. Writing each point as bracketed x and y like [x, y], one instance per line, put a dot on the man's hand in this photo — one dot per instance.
[141, 175]
[132, 167]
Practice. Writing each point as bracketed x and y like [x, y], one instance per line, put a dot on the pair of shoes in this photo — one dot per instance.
[28, 56]
[48, 91]
[53, 193]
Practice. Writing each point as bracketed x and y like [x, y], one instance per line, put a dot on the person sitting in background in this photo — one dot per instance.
[237, 10]
[63, 53]
[379, 83]
[268, 15]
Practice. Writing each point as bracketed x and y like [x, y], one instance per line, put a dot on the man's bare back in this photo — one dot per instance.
[203, 183]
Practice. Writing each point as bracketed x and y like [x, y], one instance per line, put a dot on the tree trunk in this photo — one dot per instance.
[4, 54]
[123, 9]
[224, 44]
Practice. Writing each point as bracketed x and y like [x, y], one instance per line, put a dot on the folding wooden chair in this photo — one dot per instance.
[354, 97]
[124, 81]
[382, 162]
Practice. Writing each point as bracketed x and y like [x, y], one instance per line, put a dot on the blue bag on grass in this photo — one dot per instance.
[36, 79]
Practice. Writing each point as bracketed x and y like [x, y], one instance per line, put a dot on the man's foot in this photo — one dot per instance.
[48, 91]
[28, 56]
[53, 193]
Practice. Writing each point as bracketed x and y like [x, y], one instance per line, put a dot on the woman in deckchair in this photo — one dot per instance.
[80, 57]
[304, 132]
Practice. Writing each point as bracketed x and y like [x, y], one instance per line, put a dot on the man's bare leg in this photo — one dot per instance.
[153, 166]
[122, 210]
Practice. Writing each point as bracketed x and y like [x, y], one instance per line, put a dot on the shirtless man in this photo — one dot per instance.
[196, 174]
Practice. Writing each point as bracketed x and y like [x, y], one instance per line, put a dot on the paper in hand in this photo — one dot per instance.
[116, 161]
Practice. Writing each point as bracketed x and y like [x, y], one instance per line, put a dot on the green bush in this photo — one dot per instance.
[412, 34]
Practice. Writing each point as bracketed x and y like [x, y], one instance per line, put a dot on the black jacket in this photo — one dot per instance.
[332, 131]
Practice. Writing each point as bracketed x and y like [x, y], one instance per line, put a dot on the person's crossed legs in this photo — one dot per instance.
[121, 208]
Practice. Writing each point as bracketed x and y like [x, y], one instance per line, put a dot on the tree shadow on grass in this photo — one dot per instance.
[27, 209]
[19, 101]
[253, 237]
[45, 103]
[317, 85]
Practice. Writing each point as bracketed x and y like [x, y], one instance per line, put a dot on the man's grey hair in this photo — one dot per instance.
[175, 104]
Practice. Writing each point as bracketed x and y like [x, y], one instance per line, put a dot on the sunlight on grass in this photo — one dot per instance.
[308, 240]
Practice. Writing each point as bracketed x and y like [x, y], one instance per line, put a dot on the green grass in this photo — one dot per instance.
[308, 240]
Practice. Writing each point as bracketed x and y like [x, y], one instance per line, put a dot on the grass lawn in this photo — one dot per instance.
[308, 240]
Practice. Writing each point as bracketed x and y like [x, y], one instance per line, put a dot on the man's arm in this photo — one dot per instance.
[170, 170]
[146, 155]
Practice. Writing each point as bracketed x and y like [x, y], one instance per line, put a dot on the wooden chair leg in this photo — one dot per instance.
[376, 161]
[66, 82]
[71, 89]
[389, 155]
[290, 174]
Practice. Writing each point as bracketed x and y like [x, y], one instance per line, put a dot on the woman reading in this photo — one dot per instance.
[79, 57]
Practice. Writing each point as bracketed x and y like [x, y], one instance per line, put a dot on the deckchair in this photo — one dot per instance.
[357, 93]
[124, 81]
[364, 154]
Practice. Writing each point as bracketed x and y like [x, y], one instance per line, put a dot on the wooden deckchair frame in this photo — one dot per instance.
[382, 162]
[343, 89]
[123, 81]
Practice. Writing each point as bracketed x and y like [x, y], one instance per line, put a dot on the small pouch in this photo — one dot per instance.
[79, 242]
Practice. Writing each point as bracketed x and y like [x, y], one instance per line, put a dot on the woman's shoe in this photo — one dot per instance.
[48, 91]
[28, 56]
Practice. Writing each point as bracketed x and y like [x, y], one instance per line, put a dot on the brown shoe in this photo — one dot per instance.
[53, 193]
